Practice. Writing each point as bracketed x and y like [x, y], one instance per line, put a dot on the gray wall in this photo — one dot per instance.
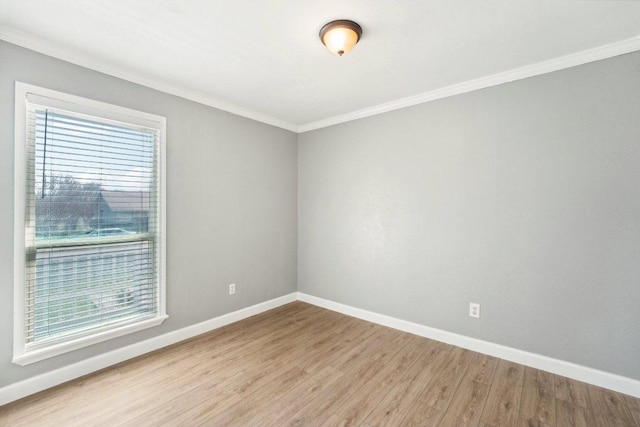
[523, 197]
[231, 202]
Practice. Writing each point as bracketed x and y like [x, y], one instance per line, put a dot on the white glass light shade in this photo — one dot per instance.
[340, 36]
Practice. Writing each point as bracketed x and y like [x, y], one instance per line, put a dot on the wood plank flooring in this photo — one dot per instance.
[301, 365]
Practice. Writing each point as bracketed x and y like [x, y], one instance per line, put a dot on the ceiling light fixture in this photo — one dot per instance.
[340, 36]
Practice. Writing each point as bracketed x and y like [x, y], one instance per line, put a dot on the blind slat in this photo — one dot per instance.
[93, 182]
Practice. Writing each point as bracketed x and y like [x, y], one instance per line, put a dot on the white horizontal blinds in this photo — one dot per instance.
[92, 224]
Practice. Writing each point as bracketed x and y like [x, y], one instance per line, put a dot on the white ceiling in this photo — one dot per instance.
[263, 59]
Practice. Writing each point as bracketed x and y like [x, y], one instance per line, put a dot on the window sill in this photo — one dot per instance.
[35, 355]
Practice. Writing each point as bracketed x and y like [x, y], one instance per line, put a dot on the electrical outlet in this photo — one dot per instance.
[232, 289]
[474, 310]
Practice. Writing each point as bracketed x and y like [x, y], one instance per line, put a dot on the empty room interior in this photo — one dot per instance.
[320, 213]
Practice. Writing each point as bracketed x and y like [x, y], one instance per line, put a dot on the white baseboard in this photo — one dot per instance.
[560, 367]
[581, 373]
[49, 379]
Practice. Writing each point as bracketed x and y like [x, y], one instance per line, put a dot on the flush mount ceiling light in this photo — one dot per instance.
[340, 36]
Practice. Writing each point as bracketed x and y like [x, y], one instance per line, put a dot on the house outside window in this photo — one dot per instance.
[89, 222]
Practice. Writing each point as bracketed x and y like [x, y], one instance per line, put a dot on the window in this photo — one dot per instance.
[89, 222]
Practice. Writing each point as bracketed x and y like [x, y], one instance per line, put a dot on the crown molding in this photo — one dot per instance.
[45, 47]
[579, 58]
[561, 63]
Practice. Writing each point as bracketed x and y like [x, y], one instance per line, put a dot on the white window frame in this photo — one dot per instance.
[21, 354]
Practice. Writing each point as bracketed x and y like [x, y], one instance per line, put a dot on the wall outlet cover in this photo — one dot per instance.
[474, 310]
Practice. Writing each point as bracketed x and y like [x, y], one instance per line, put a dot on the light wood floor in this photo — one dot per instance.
[305, 366]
